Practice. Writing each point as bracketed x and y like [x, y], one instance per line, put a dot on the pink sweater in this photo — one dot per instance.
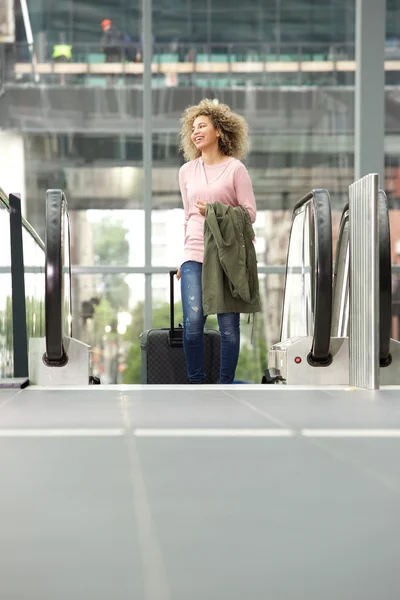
[227, 182]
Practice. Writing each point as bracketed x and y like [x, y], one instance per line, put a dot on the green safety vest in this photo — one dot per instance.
[62, 50]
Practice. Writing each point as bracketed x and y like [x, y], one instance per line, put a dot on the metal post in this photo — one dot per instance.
[29, 36]
[147, 152]
[20, 339]
[370, 88]
[364, 283]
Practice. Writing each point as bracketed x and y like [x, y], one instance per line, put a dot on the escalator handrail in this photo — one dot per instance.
[302, 201]
[27, 226]
[385, 281]
[319, 353]
[56, 237]
[323, 283]
[4, 199]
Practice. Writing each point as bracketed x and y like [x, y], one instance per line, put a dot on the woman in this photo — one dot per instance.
[213, 139]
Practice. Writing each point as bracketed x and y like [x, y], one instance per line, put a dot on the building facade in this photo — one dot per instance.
[288, 66]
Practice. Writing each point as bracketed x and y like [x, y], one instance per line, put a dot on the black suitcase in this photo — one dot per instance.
[163, 358]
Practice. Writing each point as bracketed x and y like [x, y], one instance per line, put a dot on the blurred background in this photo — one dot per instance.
[71, 117]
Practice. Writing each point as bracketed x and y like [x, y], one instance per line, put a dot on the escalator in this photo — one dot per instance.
[315, 318]
[308, 294]
[58, 359]
[36, 342]
[306, 353]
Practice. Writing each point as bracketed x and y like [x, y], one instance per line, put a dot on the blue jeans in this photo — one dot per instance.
[193, 329]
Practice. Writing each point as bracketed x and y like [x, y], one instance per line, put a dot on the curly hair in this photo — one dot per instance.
[233, 129]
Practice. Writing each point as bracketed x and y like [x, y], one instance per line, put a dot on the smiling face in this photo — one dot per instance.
[204, 135]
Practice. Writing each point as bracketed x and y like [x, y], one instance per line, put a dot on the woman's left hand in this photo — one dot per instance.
[201, 207]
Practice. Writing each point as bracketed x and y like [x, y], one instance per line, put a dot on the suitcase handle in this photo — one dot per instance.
[175, 337]
[171, 299]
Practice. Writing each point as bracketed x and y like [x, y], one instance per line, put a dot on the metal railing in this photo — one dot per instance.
[198, 52]
[296, 62]
[22, 274]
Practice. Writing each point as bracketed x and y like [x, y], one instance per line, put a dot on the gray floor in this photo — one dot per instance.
[199, 494]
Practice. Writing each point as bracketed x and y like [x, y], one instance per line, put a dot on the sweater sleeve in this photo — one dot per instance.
[244, 192]
[182, 186]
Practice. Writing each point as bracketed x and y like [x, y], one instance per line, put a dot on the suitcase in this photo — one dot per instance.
[162, 355]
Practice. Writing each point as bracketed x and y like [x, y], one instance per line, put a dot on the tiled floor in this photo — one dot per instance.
[265, 493]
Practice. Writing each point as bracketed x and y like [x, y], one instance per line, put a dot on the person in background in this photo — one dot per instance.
[62, 53]
[213, 139]
[139, 51]
[112, 42]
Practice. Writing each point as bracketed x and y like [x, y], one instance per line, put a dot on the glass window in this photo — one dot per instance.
[285, 65]
[109, 317]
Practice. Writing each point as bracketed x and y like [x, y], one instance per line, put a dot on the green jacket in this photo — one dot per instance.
[230, 279]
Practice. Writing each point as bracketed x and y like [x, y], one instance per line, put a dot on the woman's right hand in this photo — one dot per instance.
[178, 273]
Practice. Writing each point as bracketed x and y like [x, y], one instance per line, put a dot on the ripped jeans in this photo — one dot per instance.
[193, 325]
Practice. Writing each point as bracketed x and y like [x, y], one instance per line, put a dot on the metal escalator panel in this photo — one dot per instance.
[307, 307]
[57, 277]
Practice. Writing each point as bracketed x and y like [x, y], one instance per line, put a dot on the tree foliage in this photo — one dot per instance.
[112, 249]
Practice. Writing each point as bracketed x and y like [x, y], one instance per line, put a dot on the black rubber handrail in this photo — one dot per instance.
[27, 226]
[385, 282]
[322, 230]
[57, 244]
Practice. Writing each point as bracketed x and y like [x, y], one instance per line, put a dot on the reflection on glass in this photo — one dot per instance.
[109, 316]
[6, 324]
[67, 309]
[298, 308]
[340, 308]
